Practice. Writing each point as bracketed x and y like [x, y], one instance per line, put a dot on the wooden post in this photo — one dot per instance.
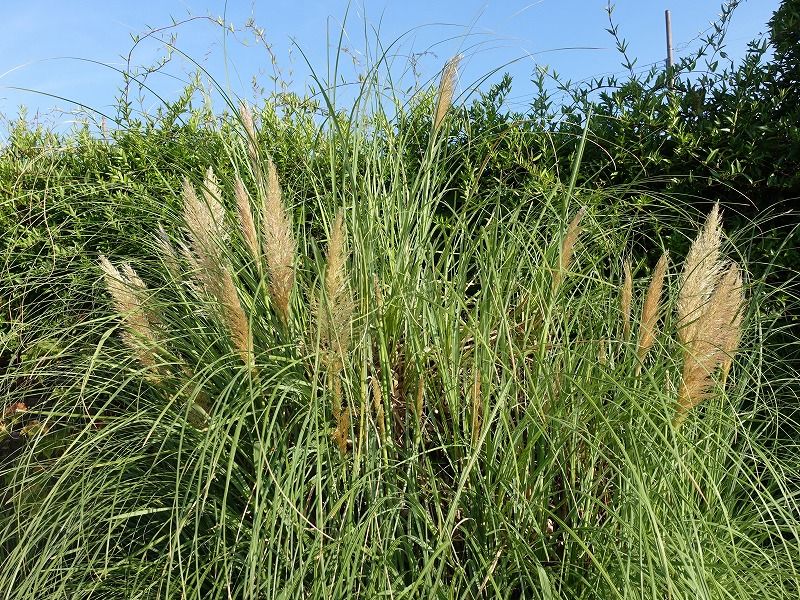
[668, 22]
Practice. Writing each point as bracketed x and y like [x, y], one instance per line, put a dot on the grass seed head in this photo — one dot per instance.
[279, 245]
[204, 218]
[717, 327]
[252, 139]
[140, 325]
[235, 317]
[651, 308]
[447, 86]
[246, 222]
[568, 248]
[336, 311]
[701, 273]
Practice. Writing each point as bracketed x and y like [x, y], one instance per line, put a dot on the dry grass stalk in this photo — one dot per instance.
[140, 325]
[568, 248]
[477, 406]
[717, 327]
[626, 299]
[447, 86]
[419, 405]
[651, 308]
[701, 273]
[377, 400]
[246, 222]
[279, 246]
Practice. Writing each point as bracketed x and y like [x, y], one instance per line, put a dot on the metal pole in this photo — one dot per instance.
[668, 22]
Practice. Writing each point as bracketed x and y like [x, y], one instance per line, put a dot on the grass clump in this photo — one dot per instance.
[367, 388]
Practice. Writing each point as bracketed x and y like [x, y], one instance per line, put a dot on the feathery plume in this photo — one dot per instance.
[168, 252]
[235, 317]
[626, 299]
[252, 144]
[651, 308]
[213, 197]
[713, 332]
[568, 248]
[336, 311]
[279, 247]
[205, 223]
[446, 88]
[140, 325]
[246, 221]
[250, 129]
[730, 343]
[701, 272]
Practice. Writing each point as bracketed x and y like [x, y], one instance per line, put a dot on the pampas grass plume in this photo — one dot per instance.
[447, 86]
[568, 248]
[246, 222]
[279, 245]
[126, 289]
[715, 335]
[701, 272]
[651, 308]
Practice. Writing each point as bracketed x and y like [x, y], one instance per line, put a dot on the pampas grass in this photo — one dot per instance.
[140, 324]
[205, 223]
[712, 343]
[567, 249]
[336, 308]
[447, 86]
[278, 245]
[710, 306]
[334, 315]
[246, 221]
[651, 309]
[701, 272]
[541, 466]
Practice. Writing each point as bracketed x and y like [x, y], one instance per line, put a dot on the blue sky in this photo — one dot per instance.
[50, 45]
